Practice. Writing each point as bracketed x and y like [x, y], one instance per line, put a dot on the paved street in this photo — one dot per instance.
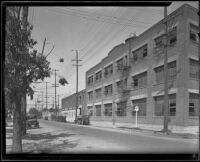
[56, 137]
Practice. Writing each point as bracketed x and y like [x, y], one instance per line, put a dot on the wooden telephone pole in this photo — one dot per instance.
[77, 65]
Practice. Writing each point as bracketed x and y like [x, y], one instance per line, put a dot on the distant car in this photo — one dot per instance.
[31, 121]
[83, 120]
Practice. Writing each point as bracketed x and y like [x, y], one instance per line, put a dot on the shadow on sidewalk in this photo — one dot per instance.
[48, 147]
[46, 143]
[46, 136]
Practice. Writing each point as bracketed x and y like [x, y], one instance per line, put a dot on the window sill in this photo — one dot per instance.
[172, 117]
[107, 95]
[169, 81]
[98, 81]
[194, 42]
[172, 45]
[135, 89]
[193, 79]
[193, 117]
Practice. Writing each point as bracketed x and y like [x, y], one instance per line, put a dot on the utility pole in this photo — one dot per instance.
[55, 90]
[58, 104]
[46, 96]
[77, 65]
[35, 103]
[199, 59]
[165, 128]
[42, 101]
[53, 103]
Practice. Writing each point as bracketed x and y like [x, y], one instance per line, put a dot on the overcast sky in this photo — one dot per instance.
[93, 31]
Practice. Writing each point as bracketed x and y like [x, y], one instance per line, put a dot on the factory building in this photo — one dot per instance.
[132, 74]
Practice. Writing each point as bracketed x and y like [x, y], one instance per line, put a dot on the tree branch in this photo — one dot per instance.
[50, 51]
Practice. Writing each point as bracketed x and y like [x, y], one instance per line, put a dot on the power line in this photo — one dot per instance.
[109, 33]
[115, 35]
[110, 30]
[105, 21]
[98, 31]
[108, 17]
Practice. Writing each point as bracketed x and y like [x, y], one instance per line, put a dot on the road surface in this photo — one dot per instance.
[77, 138]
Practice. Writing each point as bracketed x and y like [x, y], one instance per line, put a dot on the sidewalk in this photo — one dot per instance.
[48, 139]
[180, 132]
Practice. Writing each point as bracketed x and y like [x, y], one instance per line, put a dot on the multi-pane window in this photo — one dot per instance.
[98, 110]
[108, 71]
[98, 76]
[160, 72]
[194, 33]
[145, 52]
[193, 104]
[90, 96]
[90, 80]
[122, 84]
[119, 85]
[119, 64]
[194, 69]
[140, 53]
[90, 110]
[140, 80]
[159, 105]
[158, 45]
[121, 108]
[98, 93]
[135, 57]
[80, 101]
[141, 103]
[159, 41]
[172, 36]
[108, 90]
[126, 60]
[125, 83]
[108, 109]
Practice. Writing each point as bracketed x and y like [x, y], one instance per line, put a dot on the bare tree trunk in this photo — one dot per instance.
[17, 138]
[23, 99]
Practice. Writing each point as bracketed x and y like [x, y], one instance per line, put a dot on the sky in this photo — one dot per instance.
[92, 31]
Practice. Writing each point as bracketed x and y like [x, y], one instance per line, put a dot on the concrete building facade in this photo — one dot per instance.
[132, 74]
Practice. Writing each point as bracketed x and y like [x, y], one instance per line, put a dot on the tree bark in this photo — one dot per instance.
[23, 99]
[17, 138]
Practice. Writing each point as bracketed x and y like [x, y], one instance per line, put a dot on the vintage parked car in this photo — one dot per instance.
[83, 120]
[31, 121]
